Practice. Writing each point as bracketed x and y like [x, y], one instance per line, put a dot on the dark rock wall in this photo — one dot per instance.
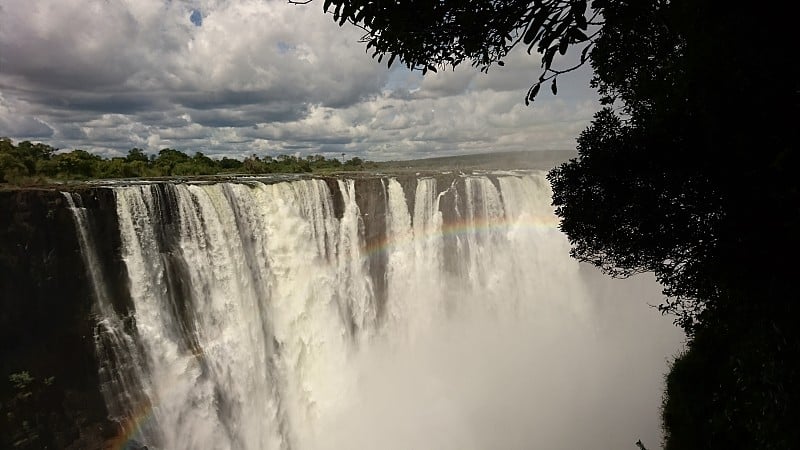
[46, 325]
[371, 201]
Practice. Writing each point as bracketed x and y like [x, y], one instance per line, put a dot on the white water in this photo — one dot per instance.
[122, 380]
[258, 320]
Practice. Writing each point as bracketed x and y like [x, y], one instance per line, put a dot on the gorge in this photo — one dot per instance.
[431, 310]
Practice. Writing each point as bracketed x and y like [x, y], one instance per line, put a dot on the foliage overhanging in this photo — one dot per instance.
[432, 35]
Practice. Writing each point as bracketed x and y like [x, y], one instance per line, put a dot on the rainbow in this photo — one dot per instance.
[539, 223]
[130, 426]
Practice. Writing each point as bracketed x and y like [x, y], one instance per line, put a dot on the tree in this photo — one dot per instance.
[679, 178]
[35, 151]
[20, 161]
[168, 159]
[76, 164]
[230, 163]
[136, 154]
[354, 162]
[27, 163]
[429, 35]
[254, 164]
[689, 172]
[11, 169]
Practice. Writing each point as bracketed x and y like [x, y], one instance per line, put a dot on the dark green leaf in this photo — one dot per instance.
[579, 8]
[534, 90]
[547, 59]
[578, 35]
[360, 14]
[562, 28]
[583, 53]
[532, 93]
[536, 24]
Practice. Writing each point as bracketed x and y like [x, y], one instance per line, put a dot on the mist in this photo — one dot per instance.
[488, 335]
[549, 381]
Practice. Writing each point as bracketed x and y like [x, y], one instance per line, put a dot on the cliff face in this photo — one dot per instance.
[48, 371]
[49, 388]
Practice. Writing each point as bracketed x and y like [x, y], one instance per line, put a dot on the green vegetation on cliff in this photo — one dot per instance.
[37, 163]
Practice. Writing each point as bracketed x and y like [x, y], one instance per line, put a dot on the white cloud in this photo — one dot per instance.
[255, 76]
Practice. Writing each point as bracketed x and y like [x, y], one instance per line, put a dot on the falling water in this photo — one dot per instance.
[123, 381]
[258, 324]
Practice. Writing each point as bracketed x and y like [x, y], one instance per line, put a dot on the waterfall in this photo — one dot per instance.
[256, 324]
[123, 382]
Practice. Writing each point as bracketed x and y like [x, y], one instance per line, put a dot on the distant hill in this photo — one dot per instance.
[542, 159]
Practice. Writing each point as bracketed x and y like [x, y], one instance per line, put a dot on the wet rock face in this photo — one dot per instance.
[371, 201]
[46, 308]
[46, 339]
[46, 301]
[372, 198]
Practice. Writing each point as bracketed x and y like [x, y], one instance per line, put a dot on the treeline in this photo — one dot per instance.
[33, 163]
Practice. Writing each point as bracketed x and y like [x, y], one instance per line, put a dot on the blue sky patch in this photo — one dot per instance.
[284, 47]
[196, 17]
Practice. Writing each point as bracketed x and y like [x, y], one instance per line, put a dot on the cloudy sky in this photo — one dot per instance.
[238, 77]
